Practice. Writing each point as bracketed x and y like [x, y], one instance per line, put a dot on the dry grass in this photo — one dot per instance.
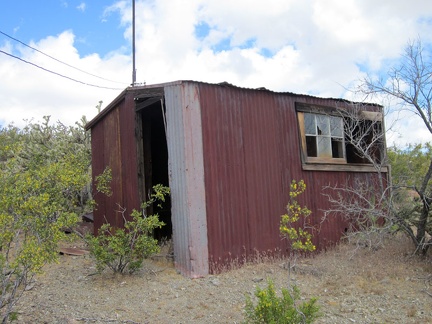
[385, 286]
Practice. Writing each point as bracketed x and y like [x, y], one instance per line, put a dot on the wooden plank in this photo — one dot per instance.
[342, 168]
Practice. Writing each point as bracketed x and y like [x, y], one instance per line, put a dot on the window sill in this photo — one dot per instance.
[321, 160]
[341, 167]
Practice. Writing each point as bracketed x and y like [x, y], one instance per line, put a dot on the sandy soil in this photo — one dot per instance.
[385, 286]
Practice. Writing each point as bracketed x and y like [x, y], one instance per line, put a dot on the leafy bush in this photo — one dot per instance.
[124, 249]
[272, 309]
[300, 240]
[44, 181]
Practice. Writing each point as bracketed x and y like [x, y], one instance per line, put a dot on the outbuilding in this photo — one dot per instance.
[228, 155]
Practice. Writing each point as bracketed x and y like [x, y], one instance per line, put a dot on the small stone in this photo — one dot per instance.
[30, 286]
[386, 280]
[215, 282]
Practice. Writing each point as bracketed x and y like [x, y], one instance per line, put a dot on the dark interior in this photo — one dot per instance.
[367, 134]
[154, 162]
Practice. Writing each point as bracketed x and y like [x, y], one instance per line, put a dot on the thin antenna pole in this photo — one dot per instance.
[133, 44]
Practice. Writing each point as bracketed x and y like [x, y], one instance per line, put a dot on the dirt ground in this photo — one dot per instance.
[384, 286]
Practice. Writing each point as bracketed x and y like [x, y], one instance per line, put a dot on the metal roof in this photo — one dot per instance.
[142, 89]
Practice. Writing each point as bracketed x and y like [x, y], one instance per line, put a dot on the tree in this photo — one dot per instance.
[409, 165]
[376, 210]
[44, 181]
[364, 203]
[410, 84]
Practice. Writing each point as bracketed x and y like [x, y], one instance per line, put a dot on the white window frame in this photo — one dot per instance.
[324, 137]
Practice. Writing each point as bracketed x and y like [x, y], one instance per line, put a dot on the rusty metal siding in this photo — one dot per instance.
[113, 160]
[242, 167]
[263, 164]
[225, 175]
[251, 153]
[128, 155]
[186, 173]
[114, 146]
[106, 153]
[98, 165]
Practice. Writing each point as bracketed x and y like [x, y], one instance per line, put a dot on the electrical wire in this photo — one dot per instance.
[57, 60]
[58, 74]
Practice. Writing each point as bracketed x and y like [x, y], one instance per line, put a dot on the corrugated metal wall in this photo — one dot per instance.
[106, 153]
[129, 161]
[251, 154]
[114, 146]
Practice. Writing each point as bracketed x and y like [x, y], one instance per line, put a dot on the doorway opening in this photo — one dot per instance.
[153, 158]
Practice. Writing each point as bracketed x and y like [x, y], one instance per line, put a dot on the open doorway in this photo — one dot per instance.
[153, 157]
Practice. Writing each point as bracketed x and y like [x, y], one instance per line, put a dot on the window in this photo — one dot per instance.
[324, 136]
[331, 137]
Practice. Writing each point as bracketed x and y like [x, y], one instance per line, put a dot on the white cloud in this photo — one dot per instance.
[343, 21]
[302, 46]
[28, 92]
[399, 123]
[82, 6]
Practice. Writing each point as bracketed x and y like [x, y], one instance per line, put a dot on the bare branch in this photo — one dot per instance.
[410, 84]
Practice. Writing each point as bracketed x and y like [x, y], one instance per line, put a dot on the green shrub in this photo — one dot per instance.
[44, 181]
[272, 309]
[298, 236]
[124, 249]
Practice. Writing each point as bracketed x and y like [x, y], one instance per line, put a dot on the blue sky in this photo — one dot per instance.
[95, 30]
[304, 46]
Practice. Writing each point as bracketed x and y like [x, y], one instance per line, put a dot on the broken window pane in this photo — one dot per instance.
[336, 126]
[310, 125]
[323, 126]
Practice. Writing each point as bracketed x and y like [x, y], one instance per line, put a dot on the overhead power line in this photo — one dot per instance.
[58, 74]
[57, 60]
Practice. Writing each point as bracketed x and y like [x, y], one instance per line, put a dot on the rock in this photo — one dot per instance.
[215, 282]
[30, 286]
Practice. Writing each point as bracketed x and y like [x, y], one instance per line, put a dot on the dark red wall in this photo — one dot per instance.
[251, 153]
[114, 146]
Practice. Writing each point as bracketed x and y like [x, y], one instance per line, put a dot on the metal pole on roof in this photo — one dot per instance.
[133, 44]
